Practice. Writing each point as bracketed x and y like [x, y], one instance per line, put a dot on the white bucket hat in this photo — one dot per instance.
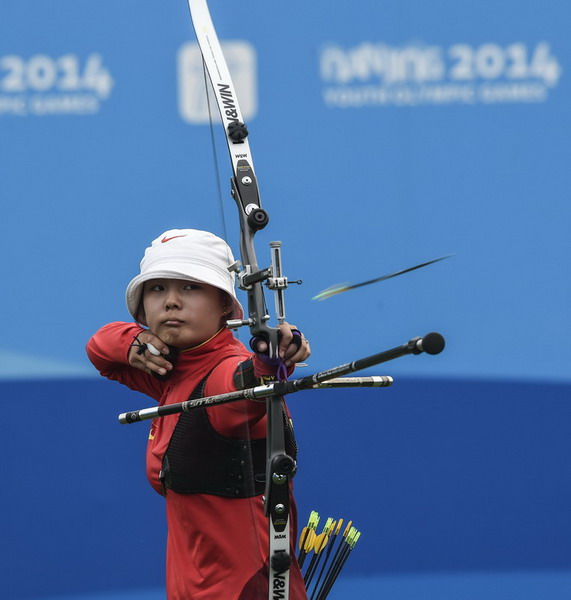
[185, 254]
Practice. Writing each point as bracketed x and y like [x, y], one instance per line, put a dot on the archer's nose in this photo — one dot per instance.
[172, 301]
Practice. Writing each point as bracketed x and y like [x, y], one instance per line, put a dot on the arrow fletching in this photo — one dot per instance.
[332, 291]
[345, 287]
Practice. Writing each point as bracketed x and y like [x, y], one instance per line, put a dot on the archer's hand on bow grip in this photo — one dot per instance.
[293, 346]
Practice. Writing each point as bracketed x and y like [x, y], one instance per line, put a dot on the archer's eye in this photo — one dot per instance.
[156, 287]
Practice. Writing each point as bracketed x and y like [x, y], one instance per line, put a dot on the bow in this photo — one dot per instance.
[253, 217]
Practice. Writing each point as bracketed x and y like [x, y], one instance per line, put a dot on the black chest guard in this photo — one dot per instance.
[199, 460]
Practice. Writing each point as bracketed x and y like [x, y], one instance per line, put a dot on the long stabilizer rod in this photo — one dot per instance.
[431, 343]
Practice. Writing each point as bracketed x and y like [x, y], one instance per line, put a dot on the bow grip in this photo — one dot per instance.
[263, 337]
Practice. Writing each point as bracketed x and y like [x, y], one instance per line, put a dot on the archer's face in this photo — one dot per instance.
[183, 313]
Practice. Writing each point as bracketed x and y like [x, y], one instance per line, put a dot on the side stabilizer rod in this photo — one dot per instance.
[432, 343]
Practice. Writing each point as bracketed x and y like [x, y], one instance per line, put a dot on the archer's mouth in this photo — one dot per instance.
[173, 323]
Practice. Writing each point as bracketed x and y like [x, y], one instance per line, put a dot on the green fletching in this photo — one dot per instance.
[351, 535]
[355, 540]
[332, 291]
[328, 525]
[313, 519]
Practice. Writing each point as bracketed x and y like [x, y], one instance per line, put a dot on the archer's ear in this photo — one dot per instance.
[227, 303]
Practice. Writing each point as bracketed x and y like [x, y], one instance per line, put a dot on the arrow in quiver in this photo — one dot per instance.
[330, 553]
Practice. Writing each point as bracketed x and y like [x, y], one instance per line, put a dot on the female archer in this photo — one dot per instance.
[209, 464]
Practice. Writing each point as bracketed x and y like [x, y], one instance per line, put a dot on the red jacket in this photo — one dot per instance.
[217, 547]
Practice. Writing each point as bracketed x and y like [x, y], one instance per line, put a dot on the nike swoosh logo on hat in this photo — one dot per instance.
[166, 239]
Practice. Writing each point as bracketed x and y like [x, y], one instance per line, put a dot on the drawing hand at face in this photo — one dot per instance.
[149, 354]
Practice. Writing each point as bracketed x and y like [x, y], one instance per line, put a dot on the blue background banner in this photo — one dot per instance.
[370, 158]
[384, 134]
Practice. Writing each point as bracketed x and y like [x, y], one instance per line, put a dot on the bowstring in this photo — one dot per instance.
[215, 155]
[217, 171]
[217, 175]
